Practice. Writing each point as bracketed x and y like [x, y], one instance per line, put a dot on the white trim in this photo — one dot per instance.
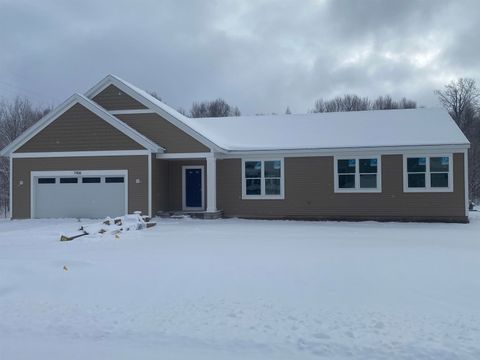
[150, 185]
[91, 106]
[165, 111]
[131, 111]
[465, 165]
[428, 188]
[262, 180]
[35, 174]
[350, 151]
[184, 155]
[184, 205]
[81, 153]
[211, 184]
[10, 198]
[357, 188]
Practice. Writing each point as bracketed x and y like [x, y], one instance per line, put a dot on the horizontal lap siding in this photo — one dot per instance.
[137, 167]
[160, 176]
[309, 193]
[112, 98]
[78, 129]
[164, 133]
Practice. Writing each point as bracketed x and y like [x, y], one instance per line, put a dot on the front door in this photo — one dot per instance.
[193, 187]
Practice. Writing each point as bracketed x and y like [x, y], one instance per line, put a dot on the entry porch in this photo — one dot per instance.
[185, 184]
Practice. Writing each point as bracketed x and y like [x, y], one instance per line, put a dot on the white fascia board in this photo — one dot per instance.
[170, 115]
[385, 150]
[173, 156]
[93, 107]
[39, 125]
[58, 154]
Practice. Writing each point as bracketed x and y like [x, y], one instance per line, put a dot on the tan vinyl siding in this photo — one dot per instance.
[164, 133]
[137, 167]
[78, 129]
[309, 194]
[112, 98]
[160, 176]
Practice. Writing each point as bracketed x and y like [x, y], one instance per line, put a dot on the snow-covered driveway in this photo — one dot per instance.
[239, 289]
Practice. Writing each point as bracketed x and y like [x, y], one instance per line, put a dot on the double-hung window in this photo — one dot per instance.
[428, 173]
[262, 179]
[358, 174]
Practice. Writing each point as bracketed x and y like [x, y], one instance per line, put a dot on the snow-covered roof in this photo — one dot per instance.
[356, 129]
[359, 129]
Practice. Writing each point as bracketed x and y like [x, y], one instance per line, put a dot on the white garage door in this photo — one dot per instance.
[79, 194]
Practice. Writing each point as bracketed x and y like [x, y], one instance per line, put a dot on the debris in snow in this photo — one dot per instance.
[65, 268]
[112, 226]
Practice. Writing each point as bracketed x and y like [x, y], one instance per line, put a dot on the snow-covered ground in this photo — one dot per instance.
[239, 289]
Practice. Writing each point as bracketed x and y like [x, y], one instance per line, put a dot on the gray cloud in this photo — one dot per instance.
[260, 55]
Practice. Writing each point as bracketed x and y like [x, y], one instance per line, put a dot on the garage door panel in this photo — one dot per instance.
[89, 197]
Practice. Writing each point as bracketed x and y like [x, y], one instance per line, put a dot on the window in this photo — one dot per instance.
[68, 180]
[116, 179]
[357, 174]
[90, 180]
[262, 179]
[46, 180]
[428, 173]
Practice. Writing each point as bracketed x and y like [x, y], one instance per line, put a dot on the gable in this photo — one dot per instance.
[164, 133]
[79, 129]
[112, 98]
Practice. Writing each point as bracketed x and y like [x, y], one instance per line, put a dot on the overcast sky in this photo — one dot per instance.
[258, 55]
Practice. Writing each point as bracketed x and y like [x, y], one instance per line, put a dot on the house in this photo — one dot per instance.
[117, 149]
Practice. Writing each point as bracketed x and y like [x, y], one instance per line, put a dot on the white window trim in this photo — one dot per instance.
[428, 187]
[184, 195]
[281, 196]
[357, 188]
[36, 174]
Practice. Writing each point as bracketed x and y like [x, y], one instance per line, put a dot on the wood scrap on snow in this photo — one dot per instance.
[111, 226]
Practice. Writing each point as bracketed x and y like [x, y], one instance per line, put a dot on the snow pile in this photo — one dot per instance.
[240, 289]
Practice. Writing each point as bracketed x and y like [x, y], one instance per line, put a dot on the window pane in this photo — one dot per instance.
[272, 186]
[439, 180]
[91, 180]
[252, 187]
[368, 181]
[416, 180]
[253, 169]
[346, 166]
[368, 166]
[68, 180]
[116, 179]
[439, 163]
[346, 181]
[46, 181]
[272, 168]
[416, 164]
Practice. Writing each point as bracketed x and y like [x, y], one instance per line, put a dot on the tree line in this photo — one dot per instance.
[461, 98]
[16, 116]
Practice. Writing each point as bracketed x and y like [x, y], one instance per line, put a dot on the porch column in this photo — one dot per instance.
[211, 184]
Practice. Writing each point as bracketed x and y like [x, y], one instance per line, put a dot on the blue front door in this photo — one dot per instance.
[193, 187]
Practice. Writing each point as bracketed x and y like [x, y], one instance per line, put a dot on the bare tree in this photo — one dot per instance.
[15, 117]
[215, 108]
[352, 102]
[459, 95]
[461, 99]
[155, 95]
